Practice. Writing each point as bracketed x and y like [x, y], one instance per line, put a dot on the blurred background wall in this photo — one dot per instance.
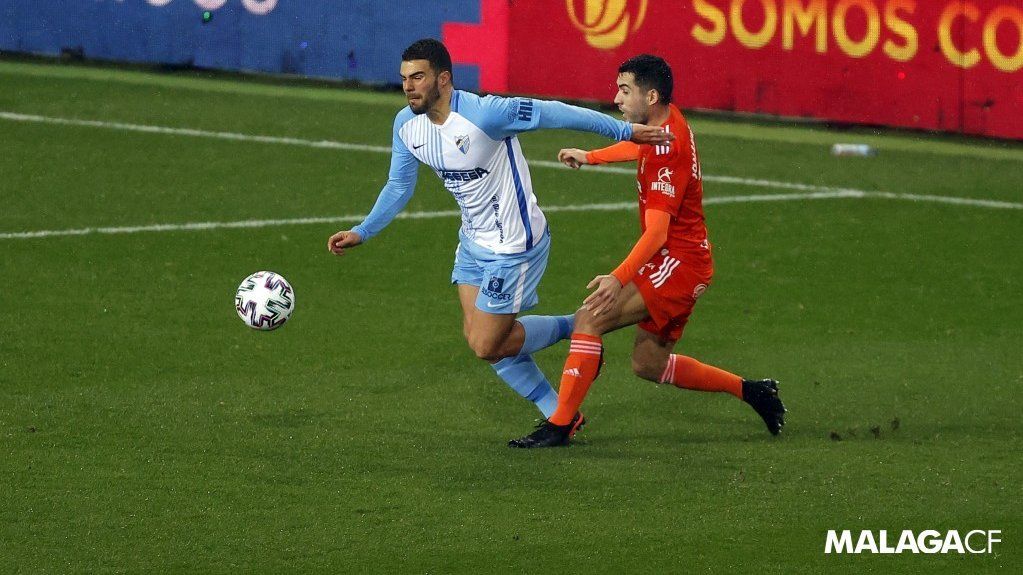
[949, 65]
[347, 39]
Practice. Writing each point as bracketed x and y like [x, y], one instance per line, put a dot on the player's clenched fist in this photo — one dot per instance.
[343, 239]
[572, 157]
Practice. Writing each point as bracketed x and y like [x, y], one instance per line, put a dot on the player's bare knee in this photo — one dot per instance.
[586, 322]
[582, 316]
[485, 348]
[491, 354]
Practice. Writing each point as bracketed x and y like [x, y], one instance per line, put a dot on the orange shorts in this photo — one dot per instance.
[670, 284]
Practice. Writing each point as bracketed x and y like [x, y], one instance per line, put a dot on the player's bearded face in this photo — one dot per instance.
[425, 98]
[632, 100]
[420, 84]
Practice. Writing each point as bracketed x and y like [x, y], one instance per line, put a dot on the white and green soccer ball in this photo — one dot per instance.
[264, 300]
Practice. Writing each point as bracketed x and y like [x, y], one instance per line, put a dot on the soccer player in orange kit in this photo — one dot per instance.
[659, 282]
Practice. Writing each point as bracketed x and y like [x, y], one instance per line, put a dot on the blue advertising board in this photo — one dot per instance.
[347, 39]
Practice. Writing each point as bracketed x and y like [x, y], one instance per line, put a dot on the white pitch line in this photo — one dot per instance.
[810, 192]
[194, 133]
[607, 207]
[198, 226]
[329, 144]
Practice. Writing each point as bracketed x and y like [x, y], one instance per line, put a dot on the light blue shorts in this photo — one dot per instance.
[507, 283]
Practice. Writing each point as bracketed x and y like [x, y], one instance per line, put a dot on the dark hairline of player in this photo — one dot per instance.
[649, 72]
[434, 52]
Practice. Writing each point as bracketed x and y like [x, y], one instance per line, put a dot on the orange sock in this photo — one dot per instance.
[687, 373]
[580, 370]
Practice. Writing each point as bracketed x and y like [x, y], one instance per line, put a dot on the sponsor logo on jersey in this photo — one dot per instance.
[525, 113]
[494, 290]
[462, 143]
[464, 175]
[496, 206]
[496, 296]
[663, 183]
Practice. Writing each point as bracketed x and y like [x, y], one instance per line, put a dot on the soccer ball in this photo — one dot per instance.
[264, 301]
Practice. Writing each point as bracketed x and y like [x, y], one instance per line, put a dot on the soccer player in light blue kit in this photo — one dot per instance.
[471, 143]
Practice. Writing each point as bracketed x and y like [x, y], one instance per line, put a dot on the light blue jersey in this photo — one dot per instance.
[504, 241]
[476, 153]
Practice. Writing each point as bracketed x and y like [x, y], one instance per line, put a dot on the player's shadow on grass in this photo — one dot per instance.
[674, 437]
[700, 430]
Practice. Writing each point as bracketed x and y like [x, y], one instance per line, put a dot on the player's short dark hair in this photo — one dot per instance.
[651, 73]
[431, 50]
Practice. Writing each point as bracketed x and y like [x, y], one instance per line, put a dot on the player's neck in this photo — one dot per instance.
[659, 114]
[440, 111]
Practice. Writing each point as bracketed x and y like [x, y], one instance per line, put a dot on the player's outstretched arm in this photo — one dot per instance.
[620, 152]
[509, 116]
[554, 114]
[392, 199]
[401, 184]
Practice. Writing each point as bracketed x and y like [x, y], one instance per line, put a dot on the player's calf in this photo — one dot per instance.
[648, 370]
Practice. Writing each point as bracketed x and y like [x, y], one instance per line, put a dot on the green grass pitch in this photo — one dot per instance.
[144, 429]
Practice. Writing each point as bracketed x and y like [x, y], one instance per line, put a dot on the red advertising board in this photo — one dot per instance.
[951, 65]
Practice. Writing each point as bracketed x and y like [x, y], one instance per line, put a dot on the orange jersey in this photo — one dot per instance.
[669, 180]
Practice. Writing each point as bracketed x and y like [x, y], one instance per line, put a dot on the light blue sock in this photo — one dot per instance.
[543, 331]
[523, 375]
